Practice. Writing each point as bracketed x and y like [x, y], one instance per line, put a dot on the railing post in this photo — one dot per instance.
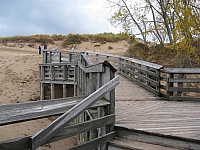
[97, 58]
[132, 71]
[102, 130]
[44, 56]
[139, 74]
[169, 84]
[50, 57]
[59, 57]
[65, 69]
[180, 85]
[119, 65]
[159, 82]
[147, 76]
[126, 68]
[107, 58]
[70, 57]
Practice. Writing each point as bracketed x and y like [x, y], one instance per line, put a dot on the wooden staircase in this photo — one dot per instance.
[130, 139]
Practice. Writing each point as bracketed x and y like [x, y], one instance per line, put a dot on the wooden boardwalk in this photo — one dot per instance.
[137, 108]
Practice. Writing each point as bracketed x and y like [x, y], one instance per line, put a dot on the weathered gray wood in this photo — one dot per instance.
[183, 89]
[159, 139]
[180, 85]
[45, 134]
[95, 143]
[20, 112]
[142, 84]
[93, 68]
[69, 131]
[58, 64]
[129, 59]
[184, 80]
[102, 130]
[70, 81]
[152, 75]
[21, 143]
[76, 129]
[184, 98]
[182, 70]
[169, 85]
[87, 61]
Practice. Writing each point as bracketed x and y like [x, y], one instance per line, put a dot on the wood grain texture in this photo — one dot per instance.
[13, 113]
[137, 109]
[45, 134]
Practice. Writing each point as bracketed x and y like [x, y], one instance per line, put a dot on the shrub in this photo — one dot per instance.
[110, 47]
[73, 39]
[138, 50]
[43, 39]
[96, 45]
[59, 37]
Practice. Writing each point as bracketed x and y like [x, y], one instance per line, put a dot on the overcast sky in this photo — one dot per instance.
[28, 17]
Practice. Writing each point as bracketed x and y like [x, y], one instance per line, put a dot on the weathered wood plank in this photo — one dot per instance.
[69, 81]
[159, 139]
[183, 98]
[87, 60]
[45, 134]
[92, 68]
[95, 143]
[181, 70]
[184, 80]
[156, 66]
[184, 89]
[156, 75]
[20, 112]
[21, 143]
[142, 84]
[57, 64]
[82, 127]
[69, 131]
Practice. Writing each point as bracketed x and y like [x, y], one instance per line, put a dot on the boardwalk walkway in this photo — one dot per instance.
[136, 108]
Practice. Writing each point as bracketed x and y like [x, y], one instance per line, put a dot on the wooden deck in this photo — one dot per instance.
[136, 108]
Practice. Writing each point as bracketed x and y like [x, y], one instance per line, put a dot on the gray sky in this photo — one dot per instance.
[28, 17]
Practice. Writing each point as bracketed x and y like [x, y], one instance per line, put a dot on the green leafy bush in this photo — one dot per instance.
[110, 47]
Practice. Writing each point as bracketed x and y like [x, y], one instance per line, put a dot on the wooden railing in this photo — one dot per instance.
[90, 116]
[13, 113]
[180, 83]
[169, 83]
[56, 56]
[57, 71]
[45, 134]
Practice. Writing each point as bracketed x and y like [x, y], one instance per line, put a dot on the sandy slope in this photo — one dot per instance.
[19, 83]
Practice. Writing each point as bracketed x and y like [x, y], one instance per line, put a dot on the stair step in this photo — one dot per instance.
[124, 144]
[157, 139]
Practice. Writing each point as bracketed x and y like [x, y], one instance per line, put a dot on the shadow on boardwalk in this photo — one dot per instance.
[137, 108]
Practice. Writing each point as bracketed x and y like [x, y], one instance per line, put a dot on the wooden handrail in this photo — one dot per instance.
[66, 132]
[150, 76]
[45, 134]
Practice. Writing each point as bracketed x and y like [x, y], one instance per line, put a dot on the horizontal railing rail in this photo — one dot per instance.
[141, 72]
[66, 132]
[57, 71]
[45, 134]
[14, 113]
[180, 83]
[169, 83]
[19, 112]
[56, 56]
